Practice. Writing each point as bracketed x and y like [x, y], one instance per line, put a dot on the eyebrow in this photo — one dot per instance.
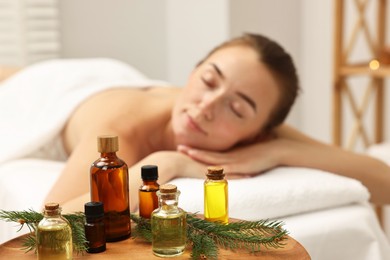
[250, 101]
[217, 69]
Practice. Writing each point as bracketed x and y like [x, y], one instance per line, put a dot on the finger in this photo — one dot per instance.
[183, 148]
[206, 156]
[238, 176]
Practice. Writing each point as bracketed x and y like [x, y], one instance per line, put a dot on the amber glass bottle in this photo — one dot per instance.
[110, 185]
[54, 235]
[216, 195]
[148, 200]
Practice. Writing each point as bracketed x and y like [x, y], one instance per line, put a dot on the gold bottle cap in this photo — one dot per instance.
[108, 144]
[51, 206]
[168, 188]
[215, 172]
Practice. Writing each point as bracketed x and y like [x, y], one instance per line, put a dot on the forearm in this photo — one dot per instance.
[374, 174]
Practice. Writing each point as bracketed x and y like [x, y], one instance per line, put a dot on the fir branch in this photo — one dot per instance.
[250, 235]
[204, 237]
[31, 218]
[143, 228]
[76, 222]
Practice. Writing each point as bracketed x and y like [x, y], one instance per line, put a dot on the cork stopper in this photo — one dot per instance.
[168, 188]
[52, 206]
[108, 144]
[215, 173]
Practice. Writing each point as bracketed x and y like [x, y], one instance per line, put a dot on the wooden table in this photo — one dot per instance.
[139, 249]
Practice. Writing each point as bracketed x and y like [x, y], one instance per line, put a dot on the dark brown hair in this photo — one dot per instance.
[281, 66]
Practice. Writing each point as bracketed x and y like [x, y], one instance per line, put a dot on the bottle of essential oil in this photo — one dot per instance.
[169, 225]
[216, 195]
[110, 185]
[54, 235]
[148, 200]
[94, 227]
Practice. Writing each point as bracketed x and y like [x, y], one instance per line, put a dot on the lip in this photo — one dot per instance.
[194, 126]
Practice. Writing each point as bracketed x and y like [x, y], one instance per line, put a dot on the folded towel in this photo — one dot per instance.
[280, 192]
[380, 151]
[36, 102]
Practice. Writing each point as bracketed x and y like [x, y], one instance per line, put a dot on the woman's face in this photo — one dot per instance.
[227, 100]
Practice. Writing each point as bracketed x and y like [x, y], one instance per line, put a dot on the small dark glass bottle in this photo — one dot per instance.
[148, 200]
[110, 185]
[94, 227]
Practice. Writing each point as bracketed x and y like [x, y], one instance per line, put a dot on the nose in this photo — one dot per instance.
[208, 104]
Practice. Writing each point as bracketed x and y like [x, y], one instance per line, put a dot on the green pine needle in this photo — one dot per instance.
[31, 218]
[204, 237]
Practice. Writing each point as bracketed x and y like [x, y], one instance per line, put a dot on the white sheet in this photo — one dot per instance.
[36, 102]
[346, 232]
[280, 192]
[340, 233]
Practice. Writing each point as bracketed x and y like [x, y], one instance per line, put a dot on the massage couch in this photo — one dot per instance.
[329, 215]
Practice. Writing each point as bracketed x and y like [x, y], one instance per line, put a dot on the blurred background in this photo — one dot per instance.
[165, 39]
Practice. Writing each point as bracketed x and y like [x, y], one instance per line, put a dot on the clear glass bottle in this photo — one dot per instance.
[54, 235]
[216, 195]
[169, 224]
[110, 185]
[148, 200]
[94, 227]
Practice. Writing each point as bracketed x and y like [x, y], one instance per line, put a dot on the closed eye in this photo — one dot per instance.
[234, 108]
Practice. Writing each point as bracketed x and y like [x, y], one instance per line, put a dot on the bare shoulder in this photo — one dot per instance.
[289, 132]
[120, 111]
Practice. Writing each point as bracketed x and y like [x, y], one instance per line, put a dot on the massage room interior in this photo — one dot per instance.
[165, 39]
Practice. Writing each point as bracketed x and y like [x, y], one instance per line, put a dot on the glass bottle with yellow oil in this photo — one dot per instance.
[54, 235]
[216, 204]
[169, 224]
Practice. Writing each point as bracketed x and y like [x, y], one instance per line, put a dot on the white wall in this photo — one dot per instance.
[165, 39]
[133, 31]
[193, 28]
[279, 20]
[316, 70]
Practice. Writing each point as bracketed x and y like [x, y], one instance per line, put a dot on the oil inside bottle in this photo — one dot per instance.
[54, 242]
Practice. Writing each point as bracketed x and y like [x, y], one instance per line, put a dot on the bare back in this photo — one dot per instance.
[127, 112]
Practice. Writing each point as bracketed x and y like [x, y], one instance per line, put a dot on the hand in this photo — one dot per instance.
[243, 161]
[173, 164]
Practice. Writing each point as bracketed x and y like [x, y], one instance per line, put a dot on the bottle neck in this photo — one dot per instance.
[149, 181]
[168, 201]
[110, 154]
[52, 213]
[94, 218]
[216, 177]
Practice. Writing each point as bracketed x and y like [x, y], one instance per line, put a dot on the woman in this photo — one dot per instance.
[229, 113]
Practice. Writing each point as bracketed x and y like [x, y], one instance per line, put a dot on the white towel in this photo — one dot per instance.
[380, 151]
[280, 192]
[35, 103]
